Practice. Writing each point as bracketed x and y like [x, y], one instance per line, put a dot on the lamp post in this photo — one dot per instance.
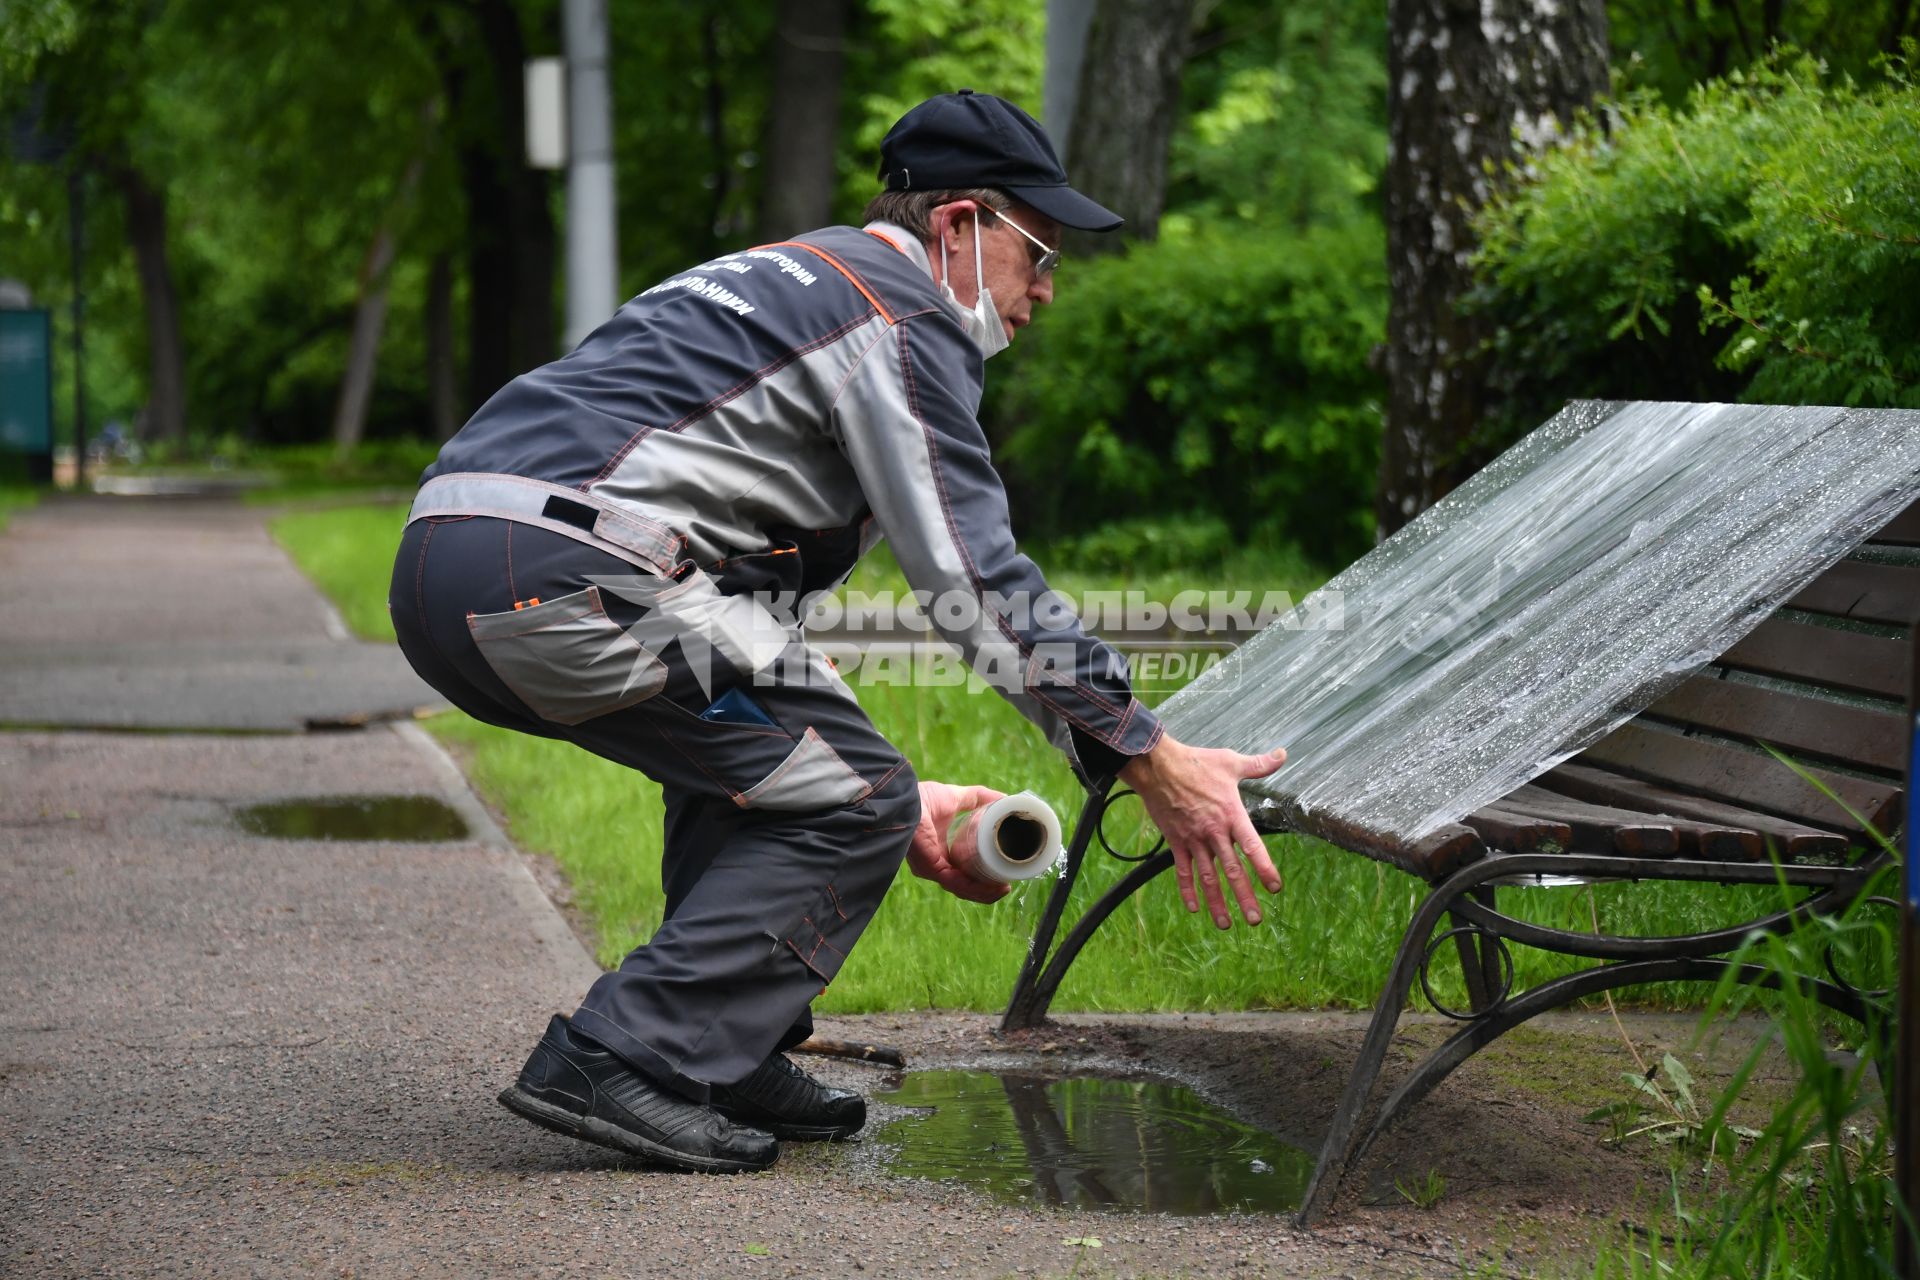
[76, 234]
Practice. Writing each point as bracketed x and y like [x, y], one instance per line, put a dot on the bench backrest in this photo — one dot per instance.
[1824, 681]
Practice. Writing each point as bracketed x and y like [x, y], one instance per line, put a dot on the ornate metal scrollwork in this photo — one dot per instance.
[1878, 995]
[1495, 999]
[1100, 833]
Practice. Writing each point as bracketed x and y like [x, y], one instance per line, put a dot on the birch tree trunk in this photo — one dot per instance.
[802, 126]
[1124, 112]
[1471, 83]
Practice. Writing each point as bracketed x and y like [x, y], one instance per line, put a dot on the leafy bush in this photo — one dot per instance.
[1760, 242]
[1214, 371]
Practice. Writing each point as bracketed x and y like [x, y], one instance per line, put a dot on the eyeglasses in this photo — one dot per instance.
[1044, 259]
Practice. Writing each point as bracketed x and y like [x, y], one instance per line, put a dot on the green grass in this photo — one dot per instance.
[16, 497]
[1328, 939]
[348, 553]
[283, 473]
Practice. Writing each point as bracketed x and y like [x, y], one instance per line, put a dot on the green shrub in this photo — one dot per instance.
[1759, 242]
[1214, 371]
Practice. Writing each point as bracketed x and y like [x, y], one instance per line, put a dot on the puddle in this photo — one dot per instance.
[1088, 1142]
[412, 818]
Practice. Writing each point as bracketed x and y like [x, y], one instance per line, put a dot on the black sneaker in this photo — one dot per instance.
[788, 1103]
[572, 1085]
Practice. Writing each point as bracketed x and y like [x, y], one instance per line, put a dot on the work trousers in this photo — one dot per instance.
[787, 813]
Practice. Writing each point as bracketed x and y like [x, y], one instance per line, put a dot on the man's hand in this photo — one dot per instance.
[927, 855]
[1193, 795]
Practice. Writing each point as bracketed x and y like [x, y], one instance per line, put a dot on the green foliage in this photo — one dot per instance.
[1761, 242]
[1219, 372]
[1669, 47]
[1285, 119]
[1810, 1194]
[909, 50]
[1422, 1193]
[690, 97]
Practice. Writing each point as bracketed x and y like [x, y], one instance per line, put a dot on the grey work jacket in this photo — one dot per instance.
[818, 393]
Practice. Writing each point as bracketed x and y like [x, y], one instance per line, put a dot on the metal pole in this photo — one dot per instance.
[1906, 1061]
[76, 220]
[593, 250]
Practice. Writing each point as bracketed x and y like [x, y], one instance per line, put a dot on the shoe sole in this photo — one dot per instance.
[603, 1133]
[797, 1133]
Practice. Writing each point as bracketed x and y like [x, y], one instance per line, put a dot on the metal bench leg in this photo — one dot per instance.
[1025, 1007]
[1479, 962]
[1337, 1151]
[1040, 995]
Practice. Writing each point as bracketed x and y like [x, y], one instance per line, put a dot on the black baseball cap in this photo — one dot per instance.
[969, 139]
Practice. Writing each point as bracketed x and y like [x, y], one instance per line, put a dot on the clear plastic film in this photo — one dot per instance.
[1553, 596]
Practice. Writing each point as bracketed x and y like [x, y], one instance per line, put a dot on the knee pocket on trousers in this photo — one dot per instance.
[812, 777]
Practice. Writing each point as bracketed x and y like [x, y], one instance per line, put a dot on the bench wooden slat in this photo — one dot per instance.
[1860, 736]
[1441, 853]
[1865, 592]
[1845, 660]
[1792, 839]
[1512, 832]
[1600, 828]
[1745, 778]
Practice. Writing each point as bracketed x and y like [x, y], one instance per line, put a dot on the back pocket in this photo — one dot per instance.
[566, 659]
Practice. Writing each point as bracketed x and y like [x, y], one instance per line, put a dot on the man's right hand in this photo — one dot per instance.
[940, 804]
[1193, 795]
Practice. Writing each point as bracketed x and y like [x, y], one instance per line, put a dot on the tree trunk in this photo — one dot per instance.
[1469, 84]
[1067, 23]
[804, 119]
[166, 416]
[443, 397]
[363, 351]
[370, 307]
[1128, 99]
[510, 233]
[714, 117]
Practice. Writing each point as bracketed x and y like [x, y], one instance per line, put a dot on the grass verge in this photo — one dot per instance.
[16, 497]
[1328, 940]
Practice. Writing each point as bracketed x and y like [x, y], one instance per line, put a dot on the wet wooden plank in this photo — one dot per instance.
[1743, 779]
[1791, 839]
[1513, 832]
[1601, 828]
[1845, 660]
[1638, 830]
[1865, 592]
[1860, 736]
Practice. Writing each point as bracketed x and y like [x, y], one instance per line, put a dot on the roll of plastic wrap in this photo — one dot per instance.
[1013, 839]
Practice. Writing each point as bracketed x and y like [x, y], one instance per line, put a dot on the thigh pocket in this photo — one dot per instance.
[566, 659]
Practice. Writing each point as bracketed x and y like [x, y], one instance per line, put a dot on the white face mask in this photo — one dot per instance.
[982, 323]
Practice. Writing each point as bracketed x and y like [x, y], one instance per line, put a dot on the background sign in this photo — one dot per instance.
[26, 383]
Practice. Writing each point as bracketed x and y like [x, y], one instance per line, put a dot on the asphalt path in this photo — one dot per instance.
[180, 613]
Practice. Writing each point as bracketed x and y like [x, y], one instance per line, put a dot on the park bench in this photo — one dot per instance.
[1683, 791]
